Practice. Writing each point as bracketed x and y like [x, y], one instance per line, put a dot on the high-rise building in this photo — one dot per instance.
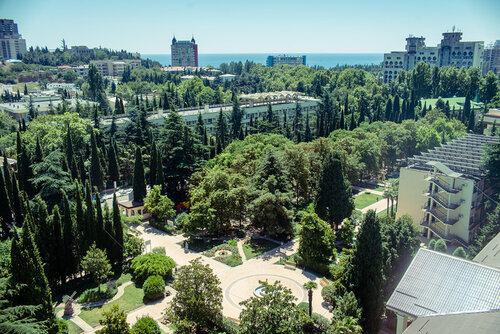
[12, 46]
[184, 53]
[491, 59]
[450, 52]
[285, 60]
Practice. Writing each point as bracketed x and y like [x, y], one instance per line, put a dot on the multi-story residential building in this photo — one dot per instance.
[443, 190]
[254, 106]
[12, 46]
[184, 53]
[115, 68]
[285, 60]
[491, 59]
[450, 52]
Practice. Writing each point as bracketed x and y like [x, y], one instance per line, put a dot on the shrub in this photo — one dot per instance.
[303, 307]
[180, 219]
[146, 325]
[431, 244]
[93, 295]
[233, 243]
[441, 246]
[329, 294]
[162, 226]
[149, 264]
[336, 271]
[321, 322]
[154, 287]
[159, 250]
[460, 252]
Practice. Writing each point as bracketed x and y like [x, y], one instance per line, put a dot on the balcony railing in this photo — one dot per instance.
[442, 184]
[440, 215]
[440, 232]
[443, 201]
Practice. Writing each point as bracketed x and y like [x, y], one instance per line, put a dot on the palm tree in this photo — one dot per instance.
[310, 286]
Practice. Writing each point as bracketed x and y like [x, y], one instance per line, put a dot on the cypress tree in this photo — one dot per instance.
[7, 176]
[113, 165]
[363, 275]
[108, 232]
[353, 122]
[117, 233]
[25, 173]
[70, 263]
[297, 123]
[38, 151]
[395, 109]
[43, 233]
[99, 223]
[81, 229]
[471, 122]
[5, 211]
[69, 145]
[307, 133]
[90, 231]
[139, 183]
[153, 165]
[333, 200]
[160, 176]
[57, 246]
[342, 121]
[16, 202]
[95, 164]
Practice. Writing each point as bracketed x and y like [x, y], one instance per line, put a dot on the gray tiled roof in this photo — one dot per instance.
[437, 283]
[476, 322]
[490, 254]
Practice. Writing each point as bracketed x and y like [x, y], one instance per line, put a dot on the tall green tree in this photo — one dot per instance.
[5, 210]
[236, 117]
[316, 245]
[118, 247]
[139, 181]
[69, 238]
[333, 202]
[364, 274]
[113, 164]
[96, 177]
[96, 263]
[24, 171]
[57, 245]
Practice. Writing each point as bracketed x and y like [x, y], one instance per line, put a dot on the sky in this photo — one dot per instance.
[251, 26]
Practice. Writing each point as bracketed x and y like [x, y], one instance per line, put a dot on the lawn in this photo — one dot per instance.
[232, 258]
[131, 299]
[201, 245]
[366, 199]
[72, 328]
[255, 247]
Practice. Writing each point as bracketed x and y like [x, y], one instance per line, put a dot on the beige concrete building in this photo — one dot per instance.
[443, 190]
[12, 45]
[115, 68]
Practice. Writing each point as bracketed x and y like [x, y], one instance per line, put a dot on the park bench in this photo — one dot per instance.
[290, 265]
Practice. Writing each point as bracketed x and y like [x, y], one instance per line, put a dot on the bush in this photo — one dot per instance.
[159, 250]
[154, 287]
[329, 294]
[441, 246]
[460, 252]
[321, 322]
[93, 295]
[431, 244]
[303, 307]
[228, 326]
[180, 219]
[162, 226]
[336, 271]
[146, 325]
[150, 264]
[233, 243]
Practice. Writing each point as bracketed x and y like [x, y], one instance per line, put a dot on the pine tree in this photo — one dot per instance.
[363, 275]
[95, 163]
[117, 233]
[333, 200]
[139, 183]
[5, 211]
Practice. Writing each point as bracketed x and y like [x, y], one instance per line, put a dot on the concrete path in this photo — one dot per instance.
[364, 190]
[377, 206]
[241, 251]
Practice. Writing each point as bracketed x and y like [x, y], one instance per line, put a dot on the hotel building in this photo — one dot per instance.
[184, 53]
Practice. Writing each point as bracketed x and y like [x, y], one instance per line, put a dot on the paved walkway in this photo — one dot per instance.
[377, 206]
[241, 251]
[364, 190]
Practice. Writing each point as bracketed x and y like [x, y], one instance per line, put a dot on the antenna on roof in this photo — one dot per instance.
[453, 29]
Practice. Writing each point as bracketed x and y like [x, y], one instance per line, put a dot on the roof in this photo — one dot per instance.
[490, 254]
[131, 204]
[463, 155]
[437, 283]
[475, 322]
[443, 169]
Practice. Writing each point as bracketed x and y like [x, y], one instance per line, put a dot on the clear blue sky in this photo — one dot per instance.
[251, 26]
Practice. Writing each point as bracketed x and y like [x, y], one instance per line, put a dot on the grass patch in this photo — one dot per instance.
[292, 258]
[232, 260]
[255, 247]
[202, 245]
[131, 299]
[366, 199]
[72, 328]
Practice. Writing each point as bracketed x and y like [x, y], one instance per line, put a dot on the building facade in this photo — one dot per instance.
[184, 53]
[444, 189]
[491, 59]
[285, 60]
[450, 52]
[12, 46]
[115, 68]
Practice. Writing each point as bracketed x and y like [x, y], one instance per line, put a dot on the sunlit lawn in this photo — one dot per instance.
[255, 247]
[131, 299]
[366, 199]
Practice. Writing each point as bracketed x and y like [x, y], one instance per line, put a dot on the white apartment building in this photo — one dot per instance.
[12, 45]
[115, 68]
[443, 190]
[450, 52]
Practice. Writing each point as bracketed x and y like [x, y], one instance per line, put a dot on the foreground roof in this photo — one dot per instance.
[437, 283]
[490, 254]
[475, 322]
[463, 155]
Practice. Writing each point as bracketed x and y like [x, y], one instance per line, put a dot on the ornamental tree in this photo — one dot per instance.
[96, 263]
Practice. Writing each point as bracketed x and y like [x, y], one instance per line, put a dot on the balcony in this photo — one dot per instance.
[440, 214]
[441, 233]
[443, 185]
[441, 200]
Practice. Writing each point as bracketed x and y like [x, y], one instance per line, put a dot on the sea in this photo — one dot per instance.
[325, 60]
